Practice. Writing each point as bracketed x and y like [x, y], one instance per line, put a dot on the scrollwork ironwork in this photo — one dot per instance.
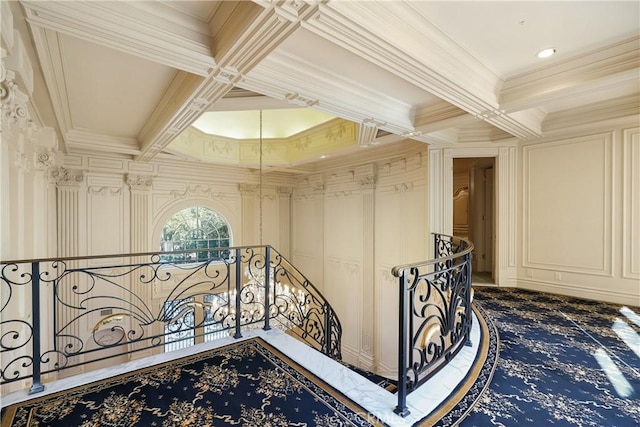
[94, 304]
[435, 313]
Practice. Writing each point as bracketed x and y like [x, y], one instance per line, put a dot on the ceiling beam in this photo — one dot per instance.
[396, 37]
[244, 33]
[178, 43]
[285, 76]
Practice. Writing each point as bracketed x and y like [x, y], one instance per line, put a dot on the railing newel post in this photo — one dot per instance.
[36, 385]
[401, 409]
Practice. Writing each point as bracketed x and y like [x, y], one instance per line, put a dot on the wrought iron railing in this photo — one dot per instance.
[434, 313]
[62, 313]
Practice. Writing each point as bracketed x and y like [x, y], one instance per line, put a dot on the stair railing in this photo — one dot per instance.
[434, 313]
[63, 313]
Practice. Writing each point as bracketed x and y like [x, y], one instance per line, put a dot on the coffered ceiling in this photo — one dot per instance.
[129, 77]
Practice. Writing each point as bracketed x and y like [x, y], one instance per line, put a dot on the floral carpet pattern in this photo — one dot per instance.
[248, 383]
[563, 362]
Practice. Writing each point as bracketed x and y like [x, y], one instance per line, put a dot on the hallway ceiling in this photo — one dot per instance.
[128, 77]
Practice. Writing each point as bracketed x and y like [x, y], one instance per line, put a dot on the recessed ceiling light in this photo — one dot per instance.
[545, 53]
[324, 156]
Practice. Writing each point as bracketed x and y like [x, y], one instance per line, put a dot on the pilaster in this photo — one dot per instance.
[369, 318]
[284, 220]
[140, 217]
[70, 217]
[140, 214]
[249, 214]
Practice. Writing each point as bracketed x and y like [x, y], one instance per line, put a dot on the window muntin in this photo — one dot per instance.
[198, 228]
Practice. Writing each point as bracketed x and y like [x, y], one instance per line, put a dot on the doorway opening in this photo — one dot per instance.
[473, 212]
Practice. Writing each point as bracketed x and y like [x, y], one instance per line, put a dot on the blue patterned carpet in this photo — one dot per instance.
[549, 372]
[248, 383]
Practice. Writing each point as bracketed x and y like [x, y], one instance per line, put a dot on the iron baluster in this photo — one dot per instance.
[237, 333]
[267, 278]
[36, 386]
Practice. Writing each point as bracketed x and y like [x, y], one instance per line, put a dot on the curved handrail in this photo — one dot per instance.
[79, 310]
[399, 269]
[330, 341]
[434, 313]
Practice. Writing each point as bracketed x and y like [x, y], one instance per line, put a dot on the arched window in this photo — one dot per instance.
[197, 228]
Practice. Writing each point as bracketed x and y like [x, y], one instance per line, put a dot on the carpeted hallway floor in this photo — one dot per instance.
[563, 362]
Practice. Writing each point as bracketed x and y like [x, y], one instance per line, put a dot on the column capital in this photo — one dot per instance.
[139, 182]
[248, 189]
[14, 103]
[284, 191]
[367, 182]
[67, 177]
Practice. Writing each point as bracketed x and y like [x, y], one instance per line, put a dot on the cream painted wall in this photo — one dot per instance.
[122, 205]
[580, 216]
[351, 224]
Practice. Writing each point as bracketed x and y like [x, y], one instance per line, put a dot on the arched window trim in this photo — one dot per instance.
[190, 227]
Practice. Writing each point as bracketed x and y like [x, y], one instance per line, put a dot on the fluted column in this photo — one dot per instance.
[284, 220]
[249, 211]
[140, 190]
[140, 215]
[68, 184]
[369, 317]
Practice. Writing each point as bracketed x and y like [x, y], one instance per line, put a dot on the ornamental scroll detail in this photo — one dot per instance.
[15, 110]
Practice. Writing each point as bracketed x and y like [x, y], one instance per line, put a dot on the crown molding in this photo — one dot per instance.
[120, 26]
[378, 31]
[85, 140]
[594, 116]
[441, 115]
[604, 68]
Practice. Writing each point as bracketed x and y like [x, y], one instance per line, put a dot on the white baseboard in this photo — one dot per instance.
[604, 295]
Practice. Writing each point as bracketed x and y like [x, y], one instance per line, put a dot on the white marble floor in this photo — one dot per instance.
[374, 399]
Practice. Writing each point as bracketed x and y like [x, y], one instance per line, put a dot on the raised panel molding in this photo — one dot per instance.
[575, 151]
[631, 204]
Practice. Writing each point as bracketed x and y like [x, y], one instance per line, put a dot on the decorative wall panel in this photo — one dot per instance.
[631, 205]
[568, 205]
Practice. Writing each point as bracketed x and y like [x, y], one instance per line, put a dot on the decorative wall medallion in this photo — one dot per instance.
[214, 147]
[336, 132]
[44, 158]
[302, 144]
[266, 148]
